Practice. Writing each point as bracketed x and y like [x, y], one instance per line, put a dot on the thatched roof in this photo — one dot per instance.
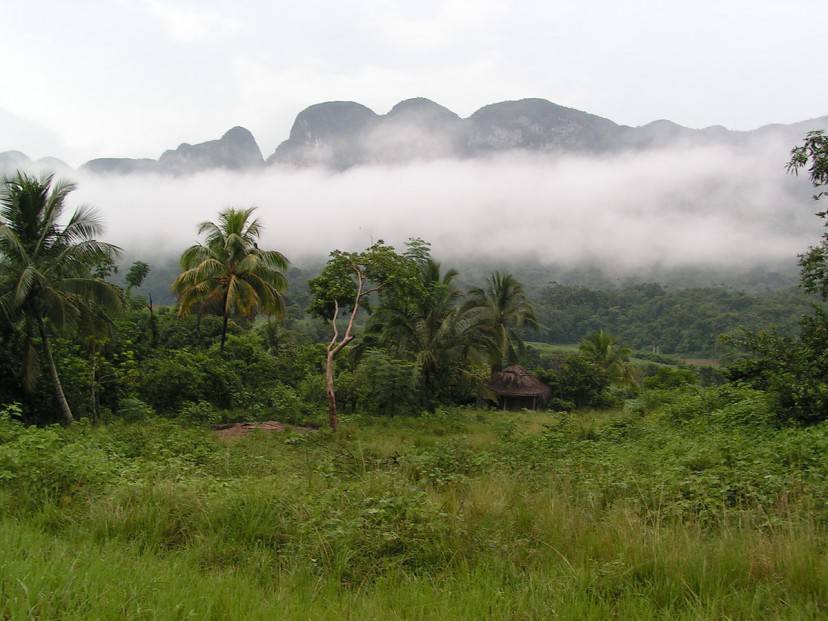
[515, 381]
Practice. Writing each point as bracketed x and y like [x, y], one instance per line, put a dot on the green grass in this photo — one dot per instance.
[571, 348]
[701, 362]
[634, 575]
[551, 348]
[688, 506]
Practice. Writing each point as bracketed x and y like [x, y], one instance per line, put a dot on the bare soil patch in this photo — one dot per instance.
[232, 430]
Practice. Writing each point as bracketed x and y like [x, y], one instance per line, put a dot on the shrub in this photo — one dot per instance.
[670, 377]
[448, 462]
[294, 362]
[172, 378]
[134, 410]
[385, 386]
[579, 382]
[312, 390]
[42, 465]
[793, 370]
[284, 403]
[202, 412]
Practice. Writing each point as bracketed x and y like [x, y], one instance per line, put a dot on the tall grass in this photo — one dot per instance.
[691, 506]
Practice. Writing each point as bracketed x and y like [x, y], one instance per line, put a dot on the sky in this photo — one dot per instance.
[132, 78]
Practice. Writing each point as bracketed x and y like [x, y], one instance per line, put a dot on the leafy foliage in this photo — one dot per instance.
[46, 280]
[793, 370]
[813, 154]
[136, 274]
[432, 329]
[577, 382]
[229, 272]
[655, 318]
[502, 309]
[385, 386]
[605, 352]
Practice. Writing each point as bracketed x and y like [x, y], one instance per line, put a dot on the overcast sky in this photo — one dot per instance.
[134, 77]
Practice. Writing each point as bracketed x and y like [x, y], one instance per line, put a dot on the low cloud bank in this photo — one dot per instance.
[708, 207]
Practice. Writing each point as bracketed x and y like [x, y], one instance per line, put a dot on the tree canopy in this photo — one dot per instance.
[502, 309]
[46, 269]
[812, 155]
[229, 270]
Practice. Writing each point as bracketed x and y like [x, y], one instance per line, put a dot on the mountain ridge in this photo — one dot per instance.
[343, 134]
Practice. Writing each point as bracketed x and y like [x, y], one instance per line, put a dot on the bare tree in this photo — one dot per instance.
[346, 284]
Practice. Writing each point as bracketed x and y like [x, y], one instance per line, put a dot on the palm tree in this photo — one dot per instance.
[46, 281]
[501, 309]
[432, 329]
[607, 353]
[229, 269]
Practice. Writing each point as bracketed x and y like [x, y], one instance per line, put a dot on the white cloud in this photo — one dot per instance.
[193, 22]
[702, 207]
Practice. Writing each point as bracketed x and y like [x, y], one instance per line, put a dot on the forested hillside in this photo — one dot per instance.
[667, 318]
[661, 319]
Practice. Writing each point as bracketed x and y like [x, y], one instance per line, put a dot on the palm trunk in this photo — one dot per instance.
[65, 410]
[329, 389]
[154, 324]
[224, 331]
[428, 400]
[504, 349]
[198, 322]
[226, 317]
[93, 388]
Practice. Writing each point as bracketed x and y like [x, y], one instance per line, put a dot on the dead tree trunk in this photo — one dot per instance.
[336, 344]
[329, 390]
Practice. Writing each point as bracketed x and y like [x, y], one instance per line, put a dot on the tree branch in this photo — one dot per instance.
[348, 337]
[333, 323]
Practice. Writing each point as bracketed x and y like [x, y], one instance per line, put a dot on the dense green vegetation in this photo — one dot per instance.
[392, 488]
[689, 504]
[652, 317]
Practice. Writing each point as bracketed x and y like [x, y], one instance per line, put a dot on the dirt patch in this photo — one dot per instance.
[232, 430]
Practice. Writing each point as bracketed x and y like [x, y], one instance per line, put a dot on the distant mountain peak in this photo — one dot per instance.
[663, 123]
[330, 118]
[14, 155]
[12, 161]
[235, 150]
[420, 105]
[239, 135]
[341, 134]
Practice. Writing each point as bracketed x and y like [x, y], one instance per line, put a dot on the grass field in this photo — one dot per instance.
[684, 506]
[571, 348]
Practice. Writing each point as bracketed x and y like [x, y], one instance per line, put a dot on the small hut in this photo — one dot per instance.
[516, 389]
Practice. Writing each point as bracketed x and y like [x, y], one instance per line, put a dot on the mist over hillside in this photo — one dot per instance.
[713, 208]
[527, 183]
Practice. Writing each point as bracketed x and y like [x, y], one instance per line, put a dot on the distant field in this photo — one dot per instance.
[549, 348]
[701, 362]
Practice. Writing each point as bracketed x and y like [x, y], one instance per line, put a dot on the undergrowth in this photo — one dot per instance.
[690, 503]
